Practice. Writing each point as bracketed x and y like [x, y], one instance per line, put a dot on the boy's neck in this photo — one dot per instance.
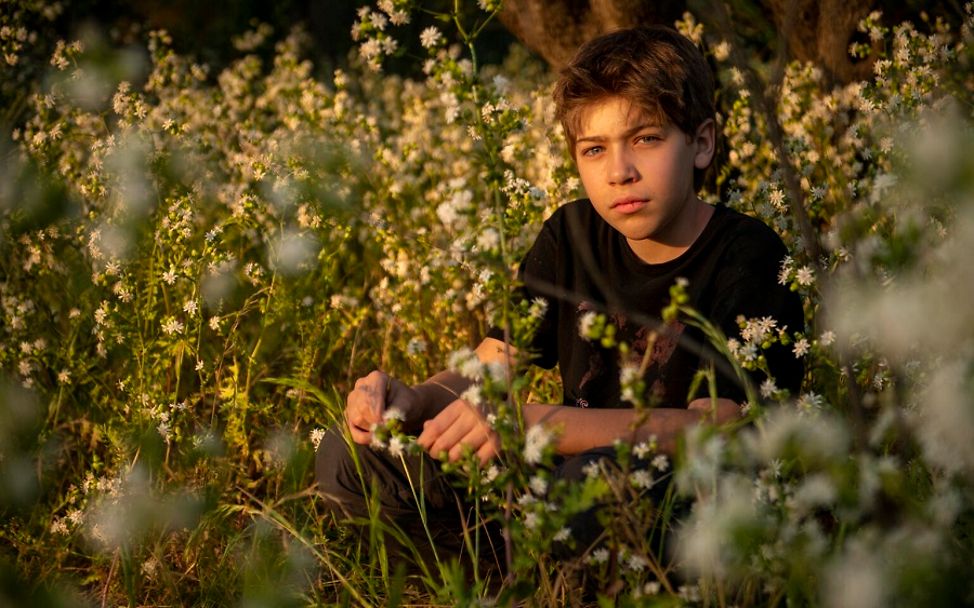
[678, 237]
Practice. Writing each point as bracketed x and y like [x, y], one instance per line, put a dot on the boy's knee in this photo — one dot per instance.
[335, 468]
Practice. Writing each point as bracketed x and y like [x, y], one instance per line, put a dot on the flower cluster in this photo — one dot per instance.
[237, 244]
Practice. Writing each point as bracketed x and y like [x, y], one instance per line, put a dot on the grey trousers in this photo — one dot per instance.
[448, 512]
[404, 488]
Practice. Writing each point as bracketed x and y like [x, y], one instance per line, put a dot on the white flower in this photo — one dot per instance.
[562, 535]
[661, 463]
[190, 307]
[721, 52]
[756, 330]
[591, 469]
[651, 588]
[430, 37]
[393, 413]
[59, 527]
[101, 313]
[586, 324]
[370, 49]
[805, 276]
[416, 346]
[376, 443]
[636, 563]
[641, 478]
[396, 446]
[809, 402]
[488, 240]
[316, 436]
[768, 388]
[777, 198]
[801, 348]
[538, 307]
[539, 485]
[214, 323]
[466, 363]
[827, 338]
[531, 521]
[536, 440]
[75, 516]
[172, 326]
[642, 450]
[599, 556]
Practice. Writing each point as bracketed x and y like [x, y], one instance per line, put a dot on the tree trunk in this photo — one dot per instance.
[555, 29]
[812, 30]
[820, 31]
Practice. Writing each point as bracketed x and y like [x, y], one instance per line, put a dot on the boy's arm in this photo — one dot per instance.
[377, 392]
[581, 429]
[457, 424]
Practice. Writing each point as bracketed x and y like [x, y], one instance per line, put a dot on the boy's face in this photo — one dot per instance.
[639, 175]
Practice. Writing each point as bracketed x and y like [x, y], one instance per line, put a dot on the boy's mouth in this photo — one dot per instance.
[629, 204]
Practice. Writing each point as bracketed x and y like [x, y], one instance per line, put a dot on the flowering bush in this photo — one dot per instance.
[196, 266]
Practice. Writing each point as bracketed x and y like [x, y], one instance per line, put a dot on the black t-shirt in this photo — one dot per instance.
[580, 263]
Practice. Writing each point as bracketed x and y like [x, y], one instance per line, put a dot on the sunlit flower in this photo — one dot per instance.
[172, 326]
[430, 37]
[316, 436]
[805, 276]
[586, 325]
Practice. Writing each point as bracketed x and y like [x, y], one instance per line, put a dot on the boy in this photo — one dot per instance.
[637, 109]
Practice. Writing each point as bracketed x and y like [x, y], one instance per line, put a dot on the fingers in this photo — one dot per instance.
[458, 427]
[365, 405]
[474, 441]
[489, 450]
[435, 428]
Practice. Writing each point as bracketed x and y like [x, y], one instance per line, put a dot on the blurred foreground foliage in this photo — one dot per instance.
[196, 264]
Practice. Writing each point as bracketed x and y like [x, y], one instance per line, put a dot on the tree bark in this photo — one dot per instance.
[820, 31]
[555, 29]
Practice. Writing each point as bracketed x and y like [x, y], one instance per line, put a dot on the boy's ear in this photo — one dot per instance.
[705, 141]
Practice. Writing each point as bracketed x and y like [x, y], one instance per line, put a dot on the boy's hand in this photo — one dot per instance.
[369, 400]
[459, 425]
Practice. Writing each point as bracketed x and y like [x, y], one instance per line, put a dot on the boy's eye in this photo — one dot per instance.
[591, 150]
[648, 139]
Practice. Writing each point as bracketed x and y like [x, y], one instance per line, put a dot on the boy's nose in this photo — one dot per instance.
[622, 170]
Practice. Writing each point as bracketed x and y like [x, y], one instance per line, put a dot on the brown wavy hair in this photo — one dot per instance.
[657, 69]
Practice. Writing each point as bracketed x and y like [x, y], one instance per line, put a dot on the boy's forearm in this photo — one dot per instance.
[584, 429]
[437, 392]
[446, 387]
